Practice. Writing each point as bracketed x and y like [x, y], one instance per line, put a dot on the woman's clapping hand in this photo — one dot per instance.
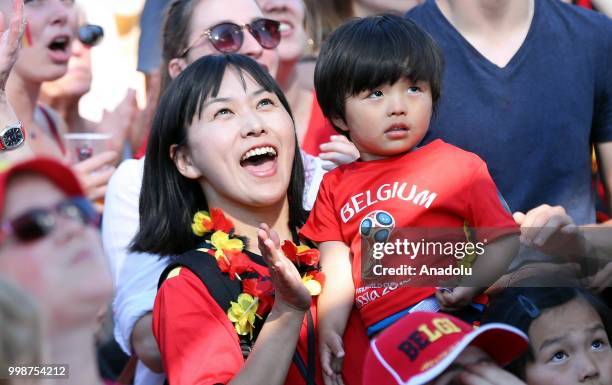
[285, 277]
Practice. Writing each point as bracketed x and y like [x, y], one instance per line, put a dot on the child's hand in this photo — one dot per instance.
[487, 374]
[457, 298]
[338, 151]
[285, 277]
[332, 357]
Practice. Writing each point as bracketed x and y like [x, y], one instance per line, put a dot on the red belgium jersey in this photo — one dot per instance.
[435, 186]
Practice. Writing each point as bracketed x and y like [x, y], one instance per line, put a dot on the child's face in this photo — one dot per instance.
[570, 346]
[389, 120]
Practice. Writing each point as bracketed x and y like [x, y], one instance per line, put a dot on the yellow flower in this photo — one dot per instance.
[221, 241]
[202, 223]
[243, 312]
[312, 285]
[302, 248]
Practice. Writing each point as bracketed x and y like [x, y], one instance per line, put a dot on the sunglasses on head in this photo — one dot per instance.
[38, 222]
[228, 37]
[90, 34]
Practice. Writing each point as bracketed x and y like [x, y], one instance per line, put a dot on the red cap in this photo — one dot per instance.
[58, 173]
[421, 345]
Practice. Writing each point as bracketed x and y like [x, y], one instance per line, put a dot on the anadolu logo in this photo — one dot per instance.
[376, 226]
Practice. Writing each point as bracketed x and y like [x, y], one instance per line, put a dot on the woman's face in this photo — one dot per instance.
[46, 45]
[241, 148]
[291, 14]
[65, 270]
[209, 13]
[570, 346]
[77, 80]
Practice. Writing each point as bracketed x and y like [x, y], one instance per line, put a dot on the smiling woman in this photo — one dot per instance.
[222, 160]
[203, 143]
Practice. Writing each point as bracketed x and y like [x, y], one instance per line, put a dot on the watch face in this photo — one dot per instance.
[12, 137]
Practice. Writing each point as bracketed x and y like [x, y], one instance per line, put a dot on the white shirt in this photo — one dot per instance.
[134, 274]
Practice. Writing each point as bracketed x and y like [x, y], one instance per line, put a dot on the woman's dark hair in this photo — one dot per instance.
[364, 54]
[175, 34]
[520, 306]
[168, 200]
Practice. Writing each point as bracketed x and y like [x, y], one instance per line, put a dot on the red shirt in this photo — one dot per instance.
[199, 344]
[435, 186]
[319, 129]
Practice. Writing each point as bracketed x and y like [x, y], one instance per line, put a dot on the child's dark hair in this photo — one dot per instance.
[168, 200]
[363, 54]
[520, 306]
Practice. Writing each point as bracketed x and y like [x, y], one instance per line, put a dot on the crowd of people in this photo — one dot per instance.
[234, 230]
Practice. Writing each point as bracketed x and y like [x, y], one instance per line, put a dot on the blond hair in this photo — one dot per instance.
[21, 331]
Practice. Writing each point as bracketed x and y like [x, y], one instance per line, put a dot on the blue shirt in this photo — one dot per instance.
[534, 120]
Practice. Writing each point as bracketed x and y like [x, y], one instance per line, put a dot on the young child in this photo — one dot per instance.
[426, 348]
[569, 333]
[377, 79]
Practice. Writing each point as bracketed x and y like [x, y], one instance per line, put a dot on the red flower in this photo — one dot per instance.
[238, 263]
[224, 265]
[261, 289]
[220, 222]
[257, 287]
[318, 276]
[265, 305]
[300, 254]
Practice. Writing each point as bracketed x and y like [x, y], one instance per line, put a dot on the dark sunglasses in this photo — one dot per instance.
[228, 37]
[38, 222]
[90, 34]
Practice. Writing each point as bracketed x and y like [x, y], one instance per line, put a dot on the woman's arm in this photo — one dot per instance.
[144, 344]
[271, 357]
[10, 36]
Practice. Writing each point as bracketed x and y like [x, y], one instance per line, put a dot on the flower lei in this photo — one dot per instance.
[257, 297]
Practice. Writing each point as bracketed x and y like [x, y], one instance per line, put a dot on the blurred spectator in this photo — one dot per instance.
[506, 98]
[149, 63]
[51, 247]
[49, 30]
[63, 94]
[149, 44]
[550, 138]
[312, 128]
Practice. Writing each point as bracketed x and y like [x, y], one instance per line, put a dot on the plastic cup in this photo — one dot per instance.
[84, 145]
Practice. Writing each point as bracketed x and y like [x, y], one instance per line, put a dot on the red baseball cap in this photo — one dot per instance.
[421, 345]
[58, 173]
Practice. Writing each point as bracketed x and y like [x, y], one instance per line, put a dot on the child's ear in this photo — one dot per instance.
[340, 123]
[183, 162]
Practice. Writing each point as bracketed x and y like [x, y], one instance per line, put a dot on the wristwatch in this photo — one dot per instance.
[11, 137]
